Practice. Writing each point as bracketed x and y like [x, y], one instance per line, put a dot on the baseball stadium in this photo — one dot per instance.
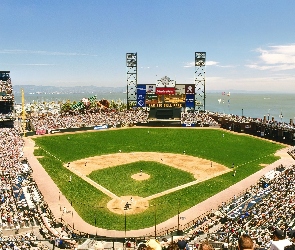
[162, 171]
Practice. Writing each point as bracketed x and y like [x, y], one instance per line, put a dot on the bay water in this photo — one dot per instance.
[256, 105]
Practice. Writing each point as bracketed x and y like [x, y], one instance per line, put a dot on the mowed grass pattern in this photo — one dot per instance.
[247, 153]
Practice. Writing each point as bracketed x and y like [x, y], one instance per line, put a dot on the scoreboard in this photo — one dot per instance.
[166, 94]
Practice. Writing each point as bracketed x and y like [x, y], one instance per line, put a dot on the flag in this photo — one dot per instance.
[78, 105]
[92, 98]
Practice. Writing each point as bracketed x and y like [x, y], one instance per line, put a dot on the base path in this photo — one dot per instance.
[57, 201]
[201, 169]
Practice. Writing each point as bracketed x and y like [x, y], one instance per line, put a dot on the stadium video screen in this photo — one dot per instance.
[162, 101]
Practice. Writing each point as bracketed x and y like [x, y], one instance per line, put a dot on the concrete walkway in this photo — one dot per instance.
[57, 201]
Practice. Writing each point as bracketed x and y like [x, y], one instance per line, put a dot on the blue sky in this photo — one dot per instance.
[250, 45]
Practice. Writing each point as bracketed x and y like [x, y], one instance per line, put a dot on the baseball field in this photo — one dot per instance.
[157, 171]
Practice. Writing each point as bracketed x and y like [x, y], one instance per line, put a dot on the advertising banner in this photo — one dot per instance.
[151, 97]
[180, 89]
[141, 89]
[188, 125]
[165, 91]
[151, 89]
[140, 103]
[189, 89]
[100, 127]
[141, 92]
[190, 100]
[140, 100]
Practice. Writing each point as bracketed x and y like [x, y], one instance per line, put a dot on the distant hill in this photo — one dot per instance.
[65, 90]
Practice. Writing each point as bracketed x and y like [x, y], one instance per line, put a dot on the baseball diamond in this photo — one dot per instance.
[137, 156]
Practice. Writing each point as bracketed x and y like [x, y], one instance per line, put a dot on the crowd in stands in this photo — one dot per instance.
[196, 117]
[207, 119]
[271, 123]
[291, 152]
[21, 241]
[53, 118]
[108, 117]
[6, 98]
[23, 210]
[6, 88]
[257, 212]
[111, 118]
[276, 209]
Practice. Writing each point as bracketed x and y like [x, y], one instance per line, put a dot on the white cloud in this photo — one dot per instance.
[215, 78]
[226, 66]
[277, 82]
[275, 58]
[192, 64]
[211, 63]
[36, 64]
[189, 65]
[45, 53]
[208, 63]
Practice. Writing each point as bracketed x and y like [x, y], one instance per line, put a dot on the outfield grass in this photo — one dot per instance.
[210, 144]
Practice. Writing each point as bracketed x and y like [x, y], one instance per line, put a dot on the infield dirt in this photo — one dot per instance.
[201, 169]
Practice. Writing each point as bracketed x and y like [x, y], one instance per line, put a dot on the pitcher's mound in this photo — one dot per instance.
[140, 176]
[136, 205]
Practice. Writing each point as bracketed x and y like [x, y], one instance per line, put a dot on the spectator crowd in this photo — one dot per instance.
[6, 97]
[257, 212]
[269, 123]
[25, 218]
[6, 87]
[110, 117]
[201, 118]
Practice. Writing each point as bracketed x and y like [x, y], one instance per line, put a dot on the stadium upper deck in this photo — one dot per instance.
[6, 100]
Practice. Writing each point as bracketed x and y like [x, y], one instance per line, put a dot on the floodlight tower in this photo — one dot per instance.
[131, 64]
[200, 93]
